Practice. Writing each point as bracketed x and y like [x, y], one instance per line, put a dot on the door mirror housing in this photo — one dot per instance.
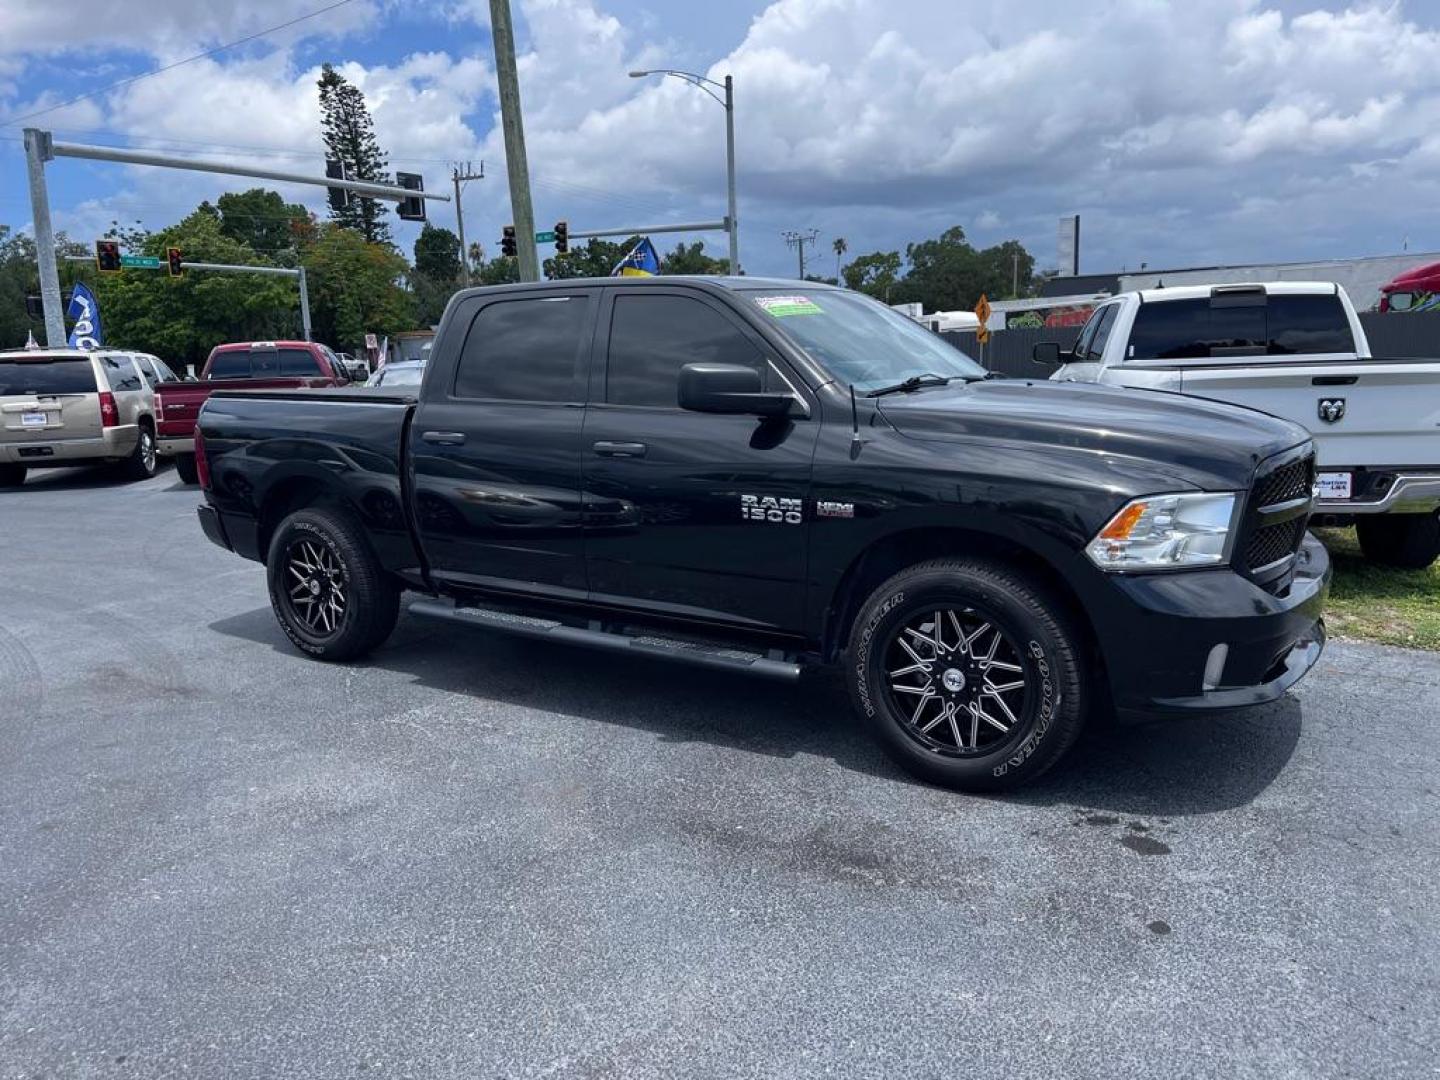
[730, 388]
[1046, 353]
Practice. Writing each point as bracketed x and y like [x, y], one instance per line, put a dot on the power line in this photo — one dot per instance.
[178, 63]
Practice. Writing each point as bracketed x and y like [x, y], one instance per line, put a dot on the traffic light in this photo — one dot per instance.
[107, 256]
[339, 197]
[507, 242]
[562, 237]
[412, 209]
[177, 267]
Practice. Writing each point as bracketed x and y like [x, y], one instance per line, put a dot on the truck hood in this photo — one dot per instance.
[1207, 444]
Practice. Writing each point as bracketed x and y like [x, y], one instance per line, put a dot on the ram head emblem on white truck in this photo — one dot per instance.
[1332, 409]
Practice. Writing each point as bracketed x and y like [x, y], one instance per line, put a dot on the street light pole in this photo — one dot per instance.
[732, 225]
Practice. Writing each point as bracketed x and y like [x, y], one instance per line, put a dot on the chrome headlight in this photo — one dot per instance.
[1167, 532]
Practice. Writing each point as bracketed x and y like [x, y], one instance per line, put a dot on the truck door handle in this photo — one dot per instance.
[1334, 380]
[448, 438]
[620, 449]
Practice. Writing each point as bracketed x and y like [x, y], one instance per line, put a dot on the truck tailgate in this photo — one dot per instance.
[1376, 412]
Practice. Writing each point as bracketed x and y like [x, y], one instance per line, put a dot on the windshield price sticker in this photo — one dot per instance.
[781, 306]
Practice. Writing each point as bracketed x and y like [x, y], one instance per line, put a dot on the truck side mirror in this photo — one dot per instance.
[729, 388]
[1047, 353]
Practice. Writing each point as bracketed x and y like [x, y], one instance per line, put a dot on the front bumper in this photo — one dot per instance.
[39, 453]
[1163, 633]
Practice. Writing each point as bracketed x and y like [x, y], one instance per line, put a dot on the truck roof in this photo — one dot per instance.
[232, 345]
[731, 281]
[1272, 288]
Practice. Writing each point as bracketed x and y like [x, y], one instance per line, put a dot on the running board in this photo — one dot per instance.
[714, 656]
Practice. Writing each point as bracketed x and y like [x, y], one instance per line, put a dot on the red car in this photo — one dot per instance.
[253, 365]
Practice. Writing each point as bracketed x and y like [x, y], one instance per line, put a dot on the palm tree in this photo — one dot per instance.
[840, 247]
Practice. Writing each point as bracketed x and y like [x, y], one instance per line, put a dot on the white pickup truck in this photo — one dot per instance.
[1295, 350]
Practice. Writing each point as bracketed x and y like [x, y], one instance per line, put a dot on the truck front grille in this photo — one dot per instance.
[1280, 504]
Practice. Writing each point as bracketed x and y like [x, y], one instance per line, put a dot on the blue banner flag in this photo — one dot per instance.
[84, 311]
[640, 261]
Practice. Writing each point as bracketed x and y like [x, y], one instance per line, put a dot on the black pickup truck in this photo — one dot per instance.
[764, 475]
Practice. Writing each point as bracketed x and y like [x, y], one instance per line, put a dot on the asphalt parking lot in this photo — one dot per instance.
[472, 856]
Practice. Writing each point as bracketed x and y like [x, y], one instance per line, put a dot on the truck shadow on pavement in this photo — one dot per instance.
[85, 477]
[1164, 769]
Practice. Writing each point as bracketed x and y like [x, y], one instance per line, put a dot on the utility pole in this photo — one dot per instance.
[38, 150]
[503, 35]
[1015, 278]
[732, 226]
[459, 178]
[798, 240]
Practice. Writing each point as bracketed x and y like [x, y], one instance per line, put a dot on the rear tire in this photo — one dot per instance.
[143, 460]
[984, 714]
[1404, 541]
[12, 475]
[329, 593]
[185, 469]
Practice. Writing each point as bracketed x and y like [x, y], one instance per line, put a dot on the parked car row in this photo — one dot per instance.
[74, 407]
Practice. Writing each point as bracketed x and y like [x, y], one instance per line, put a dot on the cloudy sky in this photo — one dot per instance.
[1184, 133]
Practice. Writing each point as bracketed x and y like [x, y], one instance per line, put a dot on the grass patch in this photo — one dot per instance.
[1376, 603]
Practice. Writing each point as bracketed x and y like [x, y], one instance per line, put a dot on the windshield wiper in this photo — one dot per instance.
[915, 382]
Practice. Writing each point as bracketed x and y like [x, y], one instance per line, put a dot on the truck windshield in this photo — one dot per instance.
[859, 340]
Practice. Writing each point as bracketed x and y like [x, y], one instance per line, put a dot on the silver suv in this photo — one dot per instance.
[73, 407]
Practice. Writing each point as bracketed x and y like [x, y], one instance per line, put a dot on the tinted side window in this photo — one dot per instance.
[653, 337]
[524, 350]
[301, 362]
[121, 373]
[1087, 334]
[163, 372]
[1185, 329]
[1095, 351]
[1308, 324]
[230, 365]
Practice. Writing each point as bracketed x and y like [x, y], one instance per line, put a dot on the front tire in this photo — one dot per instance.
[329, 593]
[1404, 541]
[968, 675]
[185, 469]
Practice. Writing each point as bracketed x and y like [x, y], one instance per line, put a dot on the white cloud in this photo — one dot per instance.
[1181, 132]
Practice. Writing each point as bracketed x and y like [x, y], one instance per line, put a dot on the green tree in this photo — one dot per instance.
[181, 319]
[596, 259]
[839, 245]
[355, 288]
[691, 259]
[874, 274]
[949, 274]
[265, 222]
[350, 138]
[437, 254]
[498, 271]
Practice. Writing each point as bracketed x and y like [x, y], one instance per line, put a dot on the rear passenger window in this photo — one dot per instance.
[234, 364]
[524, 350]
[653, 337]
[121, 373]
[299, 362]
[1308, 324]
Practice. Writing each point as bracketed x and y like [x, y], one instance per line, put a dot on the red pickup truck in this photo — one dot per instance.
[251, 365]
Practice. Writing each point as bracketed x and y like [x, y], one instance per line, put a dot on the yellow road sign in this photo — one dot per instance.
[982, 309]
[982, 335]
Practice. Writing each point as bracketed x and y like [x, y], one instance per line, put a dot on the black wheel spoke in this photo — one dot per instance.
[316, 596]
[957, 681]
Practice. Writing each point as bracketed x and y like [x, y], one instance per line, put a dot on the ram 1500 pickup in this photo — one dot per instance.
[254, 364]
[1293, 349]
[763, 475]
